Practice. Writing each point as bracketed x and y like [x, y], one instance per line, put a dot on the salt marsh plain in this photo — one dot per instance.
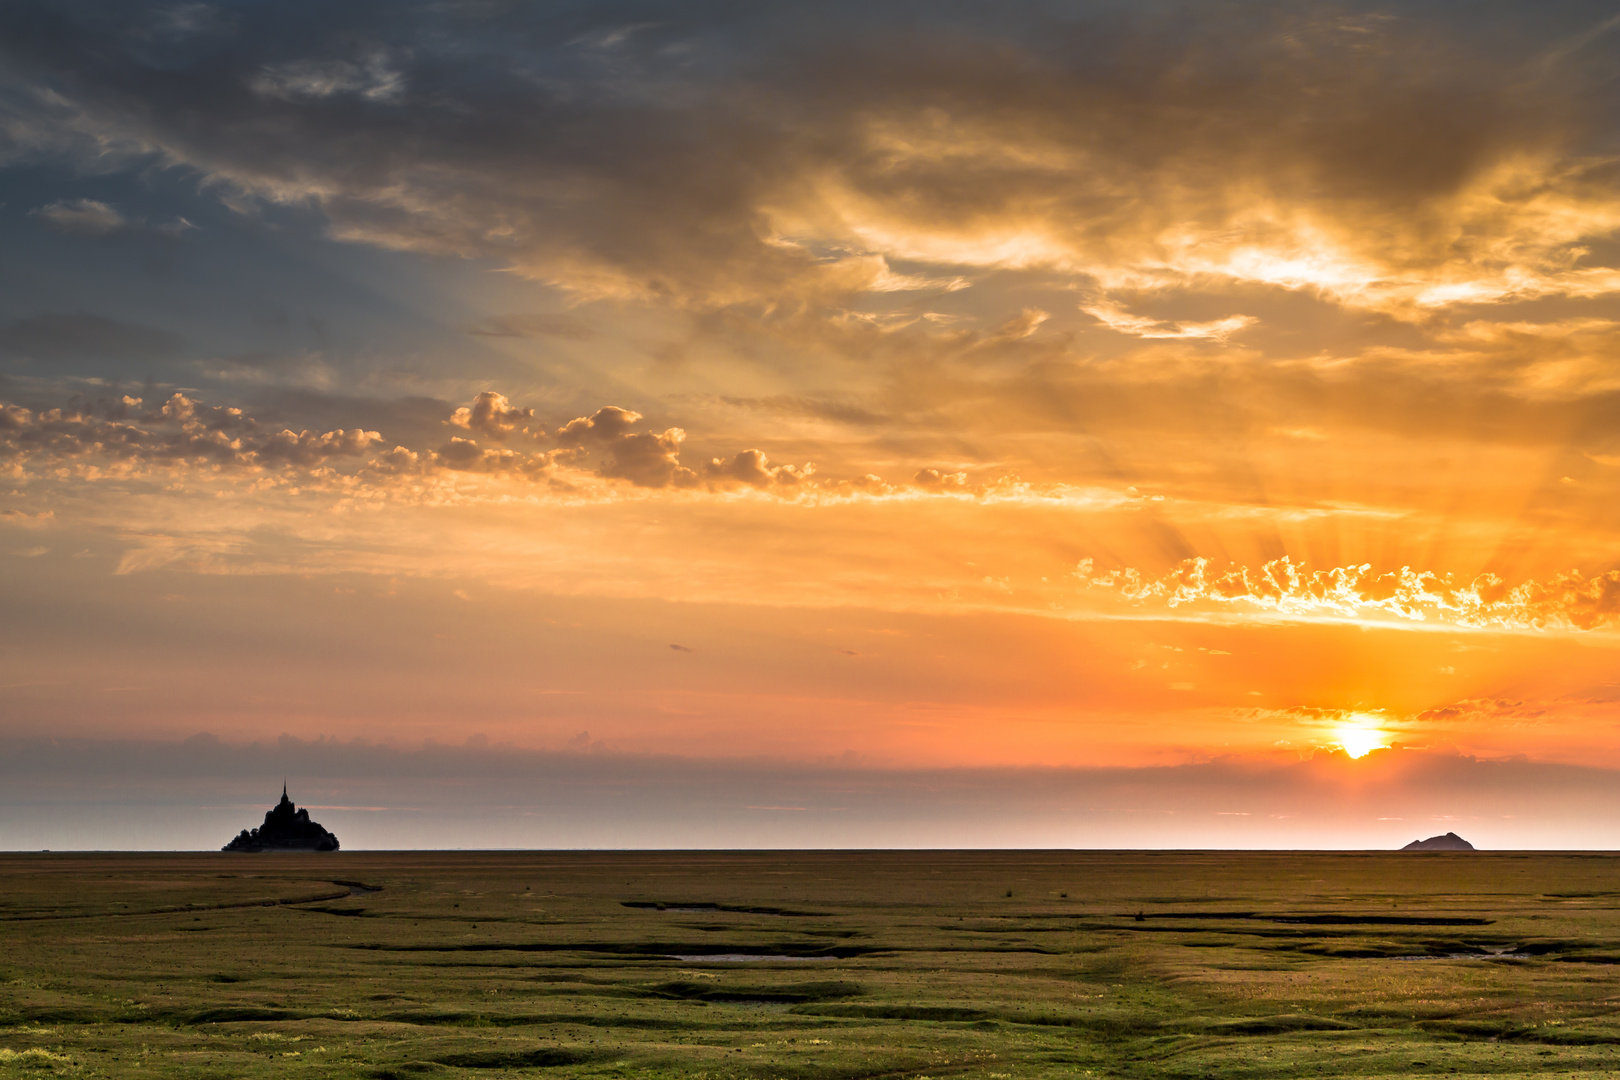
[717, 965]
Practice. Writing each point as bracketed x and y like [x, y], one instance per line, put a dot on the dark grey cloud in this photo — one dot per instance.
[58, 336]
[652, 149]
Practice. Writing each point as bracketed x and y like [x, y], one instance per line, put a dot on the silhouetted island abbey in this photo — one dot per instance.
[1449, 842]
[285, 828]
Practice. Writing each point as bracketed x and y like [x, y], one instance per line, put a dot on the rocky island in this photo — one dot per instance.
[1449, 842]
[285, 828]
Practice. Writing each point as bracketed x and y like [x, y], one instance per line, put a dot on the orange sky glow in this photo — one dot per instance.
[1141, 388]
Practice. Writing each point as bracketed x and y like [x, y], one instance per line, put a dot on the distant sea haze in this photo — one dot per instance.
[67, 794]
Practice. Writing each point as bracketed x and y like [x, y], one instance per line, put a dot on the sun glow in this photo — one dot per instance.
[1359, 736]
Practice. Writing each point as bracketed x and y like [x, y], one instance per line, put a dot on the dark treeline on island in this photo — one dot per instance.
[285, 828]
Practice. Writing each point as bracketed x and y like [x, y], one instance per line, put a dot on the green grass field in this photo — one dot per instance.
[997, 965]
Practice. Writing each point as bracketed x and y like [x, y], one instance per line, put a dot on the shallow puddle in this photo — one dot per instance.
[747, 958]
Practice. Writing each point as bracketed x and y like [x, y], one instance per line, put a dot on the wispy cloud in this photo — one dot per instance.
[1116, 318]
[91, 217]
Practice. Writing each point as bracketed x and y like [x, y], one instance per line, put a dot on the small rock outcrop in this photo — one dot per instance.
[1449, 842]
[285, 828]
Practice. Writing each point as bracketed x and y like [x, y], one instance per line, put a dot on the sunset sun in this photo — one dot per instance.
[1359, 735]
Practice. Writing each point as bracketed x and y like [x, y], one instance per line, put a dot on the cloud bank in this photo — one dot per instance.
[1395, 161]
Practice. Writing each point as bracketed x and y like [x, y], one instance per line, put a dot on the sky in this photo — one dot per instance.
[642, 424]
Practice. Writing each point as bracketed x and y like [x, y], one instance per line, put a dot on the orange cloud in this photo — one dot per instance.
[177, 432]
[1570, 600]
[491, 414]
